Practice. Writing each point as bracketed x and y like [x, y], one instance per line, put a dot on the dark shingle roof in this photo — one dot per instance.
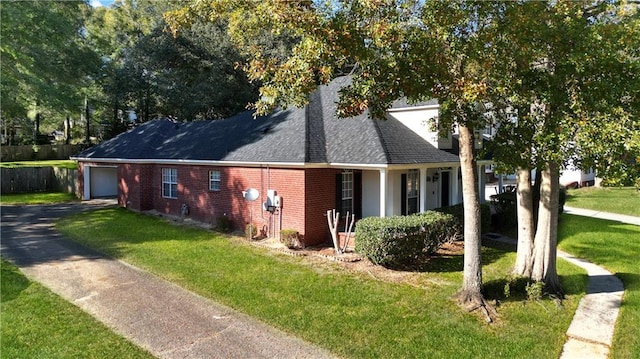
[296, 135]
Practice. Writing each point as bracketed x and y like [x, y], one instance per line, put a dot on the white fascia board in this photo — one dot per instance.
[360, 166]
[414, 108]
[191, 162]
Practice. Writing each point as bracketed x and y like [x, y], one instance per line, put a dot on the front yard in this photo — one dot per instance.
[352, 312]
[621, 200]
[36, 323]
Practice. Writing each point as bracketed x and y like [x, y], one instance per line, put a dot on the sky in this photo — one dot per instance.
[98, 3]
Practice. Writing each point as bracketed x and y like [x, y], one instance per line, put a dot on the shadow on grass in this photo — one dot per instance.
[631, 281]
[12, 282]
[517, 289]
[454, 262]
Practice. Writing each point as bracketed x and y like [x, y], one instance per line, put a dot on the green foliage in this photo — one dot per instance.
[47, 65]
[399, 241]
[223, 224]
[534, 290]
[251, 231]
[290, 238]
[457, 211]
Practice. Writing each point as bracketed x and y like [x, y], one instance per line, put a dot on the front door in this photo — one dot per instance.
[444, 189]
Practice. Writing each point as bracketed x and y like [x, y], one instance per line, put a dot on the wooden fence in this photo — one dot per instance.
[38, 179]
[39, 152]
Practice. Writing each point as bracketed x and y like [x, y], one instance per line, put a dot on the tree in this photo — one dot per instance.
[572, 75]
[149, 73]
[413, 49]
[46, 64]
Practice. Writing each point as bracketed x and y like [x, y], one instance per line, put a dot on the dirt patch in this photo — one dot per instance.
[351, 262]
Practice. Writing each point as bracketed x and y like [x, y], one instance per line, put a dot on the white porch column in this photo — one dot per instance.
[423, 190]
[455, 185]
[383, 192]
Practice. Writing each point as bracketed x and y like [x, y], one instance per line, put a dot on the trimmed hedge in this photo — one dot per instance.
[400, 241]
[457, 211]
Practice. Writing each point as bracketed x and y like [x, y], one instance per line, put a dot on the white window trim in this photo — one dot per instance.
[170, 177]
[215, 181]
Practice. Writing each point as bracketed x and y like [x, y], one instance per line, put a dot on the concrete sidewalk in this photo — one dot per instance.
[165, 319]
[591, 332]
[602, 215]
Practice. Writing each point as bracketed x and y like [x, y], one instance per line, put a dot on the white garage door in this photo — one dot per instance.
[104, 182]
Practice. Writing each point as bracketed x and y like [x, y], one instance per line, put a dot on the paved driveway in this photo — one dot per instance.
[167, 320]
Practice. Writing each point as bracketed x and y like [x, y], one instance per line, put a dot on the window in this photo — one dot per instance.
[169, 183]
[413, 180]
[214, 180]
[347, 192]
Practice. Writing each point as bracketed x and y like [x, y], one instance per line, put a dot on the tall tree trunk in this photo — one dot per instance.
[471, 292]
[546, 238]
[526, 231]
[86, 117]
[67, 130]
[36, 128]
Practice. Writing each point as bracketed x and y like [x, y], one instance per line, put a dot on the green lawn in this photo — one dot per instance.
[616, 247]
[621, 200]
[36, 323]
[37, 198]
[52, 163]
[350, 313]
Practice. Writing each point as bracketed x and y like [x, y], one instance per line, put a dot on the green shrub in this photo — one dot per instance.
[399, 241]
[457, 211]
[251, 231]
[290, 238]
[223, 224]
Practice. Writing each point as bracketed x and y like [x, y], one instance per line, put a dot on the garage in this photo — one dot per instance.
[103, 182]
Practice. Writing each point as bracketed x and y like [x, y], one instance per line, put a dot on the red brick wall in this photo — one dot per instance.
[205, 205]
[306, 195]
[135, 191]
[320, 197]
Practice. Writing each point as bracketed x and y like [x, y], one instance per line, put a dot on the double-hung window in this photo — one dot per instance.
[347, 192]
[169, 183]
[214, 180]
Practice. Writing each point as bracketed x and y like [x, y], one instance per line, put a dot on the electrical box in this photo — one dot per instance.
[270, 196]
[277, 201]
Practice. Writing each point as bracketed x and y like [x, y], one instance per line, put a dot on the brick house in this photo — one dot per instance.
[303, 161]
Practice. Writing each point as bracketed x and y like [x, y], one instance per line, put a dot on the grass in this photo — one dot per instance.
[350, 313]
[616, 247]
[51, 163]
[37, 198]
[621, 200]
[36, 323]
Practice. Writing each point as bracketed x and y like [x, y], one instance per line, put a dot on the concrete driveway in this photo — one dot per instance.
[163, 318]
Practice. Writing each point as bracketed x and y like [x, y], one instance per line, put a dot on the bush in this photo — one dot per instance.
[507, 208]
[457, 211]
[251, 231]
[223, 224]
[400, 241]
[290, 238]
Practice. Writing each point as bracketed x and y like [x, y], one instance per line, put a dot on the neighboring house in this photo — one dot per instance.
[303, 162]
